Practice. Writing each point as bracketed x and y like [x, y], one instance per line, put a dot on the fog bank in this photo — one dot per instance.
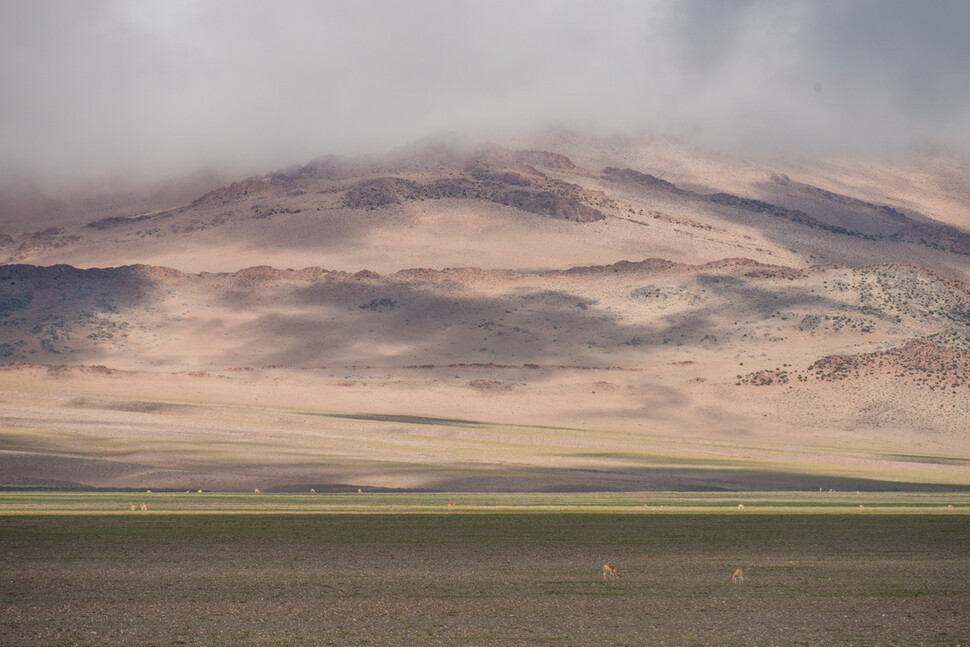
[101, 90]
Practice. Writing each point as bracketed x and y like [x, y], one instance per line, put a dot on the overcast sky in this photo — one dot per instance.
[96, 89]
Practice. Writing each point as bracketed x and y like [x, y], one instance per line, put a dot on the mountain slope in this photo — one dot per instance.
[487, 317]
[488, 208]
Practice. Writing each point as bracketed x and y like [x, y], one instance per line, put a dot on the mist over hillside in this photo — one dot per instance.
[484, 246]
[128, 93]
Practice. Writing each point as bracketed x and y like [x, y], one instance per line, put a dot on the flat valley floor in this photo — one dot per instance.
[839, 576]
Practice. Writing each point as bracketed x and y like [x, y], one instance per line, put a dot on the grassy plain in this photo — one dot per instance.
[510, 569]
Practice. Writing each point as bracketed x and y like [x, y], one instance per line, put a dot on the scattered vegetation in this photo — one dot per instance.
[764, 378]
[920, 360]
[384, 303]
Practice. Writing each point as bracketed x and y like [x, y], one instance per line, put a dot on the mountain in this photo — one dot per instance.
[486, 317]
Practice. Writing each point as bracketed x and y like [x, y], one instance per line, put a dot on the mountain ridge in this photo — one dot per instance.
[395, 194]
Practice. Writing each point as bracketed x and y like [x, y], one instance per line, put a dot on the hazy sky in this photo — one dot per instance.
[94, 89]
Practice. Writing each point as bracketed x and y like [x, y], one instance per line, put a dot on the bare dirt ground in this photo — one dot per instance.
[286, 431]
[459, 579]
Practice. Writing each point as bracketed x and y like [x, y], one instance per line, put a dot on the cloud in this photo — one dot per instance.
[103, 89]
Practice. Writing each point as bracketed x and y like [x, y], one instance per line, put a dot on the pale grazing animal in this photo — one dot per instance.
[451, 506]
[359, 491]
[200, 491]
[144, 507]
[737, 576]
[133, 506]
[740, 506]
[312, 491]
[256, 491]
[610, 572]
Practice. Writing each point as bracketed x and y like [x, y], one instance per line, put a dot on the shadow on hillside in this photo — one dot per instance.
[26, 471]
[407, 420]
[670, 479]
[60, 314]
[377, 323]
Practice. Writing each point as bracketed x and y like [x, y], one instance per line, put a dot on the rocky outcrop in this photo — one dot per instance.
[629, 176]
[381, 192]
[248, 187]
[942, 237]
[524, 188]
[792, 215]
[549, 204]
[920, 360]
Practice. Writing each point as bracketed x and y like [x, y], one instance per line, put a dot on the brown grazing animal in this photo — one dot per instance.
[610, 571]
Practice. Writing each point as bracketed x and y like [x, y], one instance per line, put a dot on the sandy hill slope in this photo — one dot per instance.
[481, 317]
[497, 208]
